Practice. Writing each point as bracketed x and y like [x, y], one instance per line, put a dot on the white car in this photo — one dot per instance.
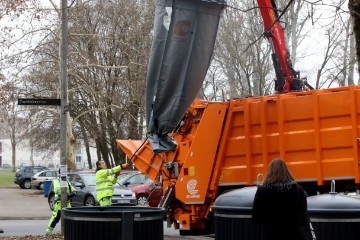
[38, 179]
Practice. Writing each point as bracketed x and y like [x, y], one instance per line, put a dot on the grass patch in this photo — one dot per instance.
[6, 178]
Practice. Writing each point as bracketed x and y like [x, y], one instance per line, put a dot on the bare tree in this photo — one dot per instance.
[12, 124]
[333, 67]
[244, 55]
[354, 7]
[111, 55]
[241, 64]
[107, 65]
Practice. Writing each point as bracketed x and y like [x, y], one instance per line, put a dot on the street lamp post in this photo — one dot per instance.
[64, 108]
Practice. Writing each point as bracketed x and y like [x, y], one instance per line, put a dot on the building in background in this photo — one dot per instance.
[26, 157]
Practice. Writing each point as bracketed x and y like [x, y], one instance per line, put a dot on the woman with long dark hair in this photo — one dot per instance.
[280, 206]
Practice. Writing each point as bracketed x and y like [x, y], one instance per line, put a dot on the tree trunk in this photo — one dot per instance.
[13, 145]
[354, 7]
[352, 57]
[13, 149]
[87, 145]
[71, 166]
[32, 156]
[344, 67]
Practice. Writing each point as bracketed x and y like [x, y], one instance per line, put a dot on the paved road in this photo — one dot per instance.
[17, 203]
[30, 210]
[25, 227]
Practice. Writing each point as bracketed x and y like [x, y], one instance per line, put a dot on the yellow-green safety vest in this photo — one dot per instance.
[105, 180]
[57, 189]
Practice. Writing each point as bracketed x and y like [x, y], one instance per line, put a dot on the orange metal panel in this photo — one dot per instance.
[315, 132]
[196, 173]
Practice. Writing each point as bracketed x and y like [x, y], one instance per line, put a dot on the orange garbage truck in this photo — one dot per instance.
[227, 145]
[200, 149]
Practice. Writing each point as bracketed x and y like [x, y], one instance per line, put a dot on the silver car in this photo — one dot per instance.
[84, 183]
[38, 179]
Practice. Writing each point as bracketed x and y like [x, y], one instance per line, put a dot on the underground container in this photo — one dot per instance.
[115, 223]
[335, 216]
[233, 215]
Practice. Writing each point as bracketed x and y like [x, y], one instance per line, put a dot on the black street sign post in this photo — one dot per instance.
[40, 101]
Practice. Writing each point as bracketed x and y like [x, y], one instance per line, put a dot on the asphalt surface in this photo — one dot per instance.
[29, 209]
[23, 204]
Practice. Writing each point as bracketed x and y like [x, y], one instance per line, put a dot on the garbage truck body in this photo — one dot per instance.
[199, 149]
[226, 145]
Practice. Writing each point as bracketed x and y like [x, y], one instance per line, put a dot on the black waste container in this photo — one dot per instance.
[233, 215]
[115, 223]
[335, 217]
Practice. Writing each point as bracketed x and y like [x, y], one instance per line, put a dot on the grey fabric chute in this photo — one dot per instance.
[182, 47]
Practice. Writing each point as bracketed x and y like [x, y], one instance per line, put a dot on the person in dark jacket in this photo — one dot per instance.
[280, 205]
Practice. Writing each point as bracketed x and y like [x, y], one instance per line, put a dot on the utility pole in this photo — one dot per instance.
[64, 108]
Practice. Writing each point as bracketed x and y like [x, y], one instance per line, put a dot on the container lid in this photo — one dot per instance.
[237, 199]
[96, 212]
[333, 203]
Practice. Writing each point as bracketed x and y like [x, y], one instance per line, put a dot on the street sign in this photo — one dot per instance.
[40, 101]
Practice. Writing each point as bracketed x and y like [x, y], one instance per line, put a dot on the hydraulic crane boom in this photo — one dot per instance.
[287, 79]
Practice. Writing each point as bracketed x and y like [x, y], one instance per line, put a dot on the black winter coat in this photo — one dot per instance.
[281, 209]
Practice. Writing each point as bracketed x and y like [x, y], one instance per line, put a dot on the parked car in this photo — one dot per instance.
[142, 186]
[23, 175]
[148, 194]
[38, 179]
[6, 166]
[132, 179]
[84, 183]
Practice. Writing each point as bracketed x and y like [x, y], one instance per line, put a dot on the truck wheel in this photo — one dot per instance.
[26, 184]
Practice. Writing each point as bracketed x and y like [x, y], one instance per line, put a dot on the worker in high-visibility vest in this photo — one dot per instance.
[57, 203]
[105, 179]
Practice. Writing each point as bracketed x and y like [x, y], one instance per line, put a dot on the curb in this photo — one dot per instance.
[25, 218]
